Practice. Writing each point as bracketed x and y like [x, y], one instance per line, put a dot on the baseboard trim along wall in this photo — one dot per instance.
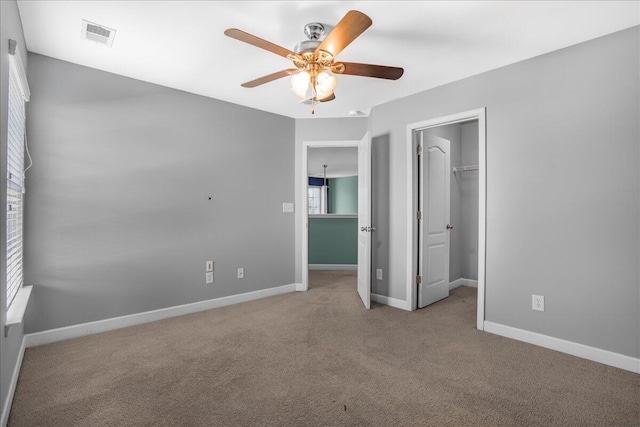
[67, 332]
[6, 406]
[393, 302]
[353, 267]
[463, 282]
[606, 357]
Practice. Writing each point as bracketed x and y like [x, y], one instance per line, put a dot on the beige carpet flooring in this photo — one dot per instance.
[318, 358]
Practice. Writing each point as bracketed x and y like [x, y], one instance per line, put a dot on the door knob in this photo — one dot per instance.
[449, 226]
[372, 229]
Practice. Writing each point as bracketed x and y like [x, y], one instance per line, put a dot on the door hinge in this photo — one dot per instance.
[419, 215]
[418, 279]
[418, 149]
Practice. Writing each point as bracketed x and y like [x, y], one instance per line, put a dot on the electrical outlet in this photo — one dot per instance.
[537, 302]
[209, 266]
[241, 273]
[209, 278]
[379, 273]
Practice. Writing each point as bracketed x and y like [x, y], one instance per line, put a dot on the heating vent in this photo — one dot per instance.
[97, 33]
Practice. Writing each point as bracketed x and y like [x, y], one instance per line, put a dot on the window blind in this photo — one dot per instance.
[15, 175]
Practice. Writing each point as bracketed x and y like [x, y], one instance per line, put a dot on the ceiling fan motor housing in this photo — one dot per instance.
[313, 31]
[306, 46]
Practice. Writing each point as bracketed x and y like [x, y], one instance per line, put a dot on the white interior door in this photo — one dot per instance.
[364, 220]
[435, 181]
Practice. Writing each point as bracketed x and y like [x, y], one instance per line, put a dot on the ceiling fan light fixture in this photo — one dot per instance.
[300, 83]
[326, 82]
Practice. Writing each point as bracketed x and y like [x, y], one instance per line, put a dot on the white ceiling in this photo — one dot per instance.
[180, 44]
[340, 161]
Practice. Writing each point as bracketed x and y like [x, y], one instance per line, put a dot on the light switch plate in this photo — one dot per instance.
[209, 266]
[241, 273]
[379, 273]
[287, 207]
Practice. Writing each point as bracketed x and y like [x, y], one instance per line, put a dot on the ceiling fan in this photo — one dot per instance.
[314, 59]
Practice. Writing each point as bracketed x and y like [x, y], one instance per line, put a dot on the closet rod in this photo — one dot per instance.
[464, 168]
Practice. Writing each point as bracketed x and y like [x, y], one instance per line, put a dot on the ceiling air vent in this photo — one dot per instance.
[97, 33]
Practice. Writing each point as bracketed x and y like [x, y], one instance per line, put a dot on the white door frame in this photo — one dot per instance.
[304, 211]
[480, 115]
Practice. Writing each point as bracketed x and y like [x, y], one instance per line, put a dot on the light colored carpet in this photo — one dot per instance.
[318, 358]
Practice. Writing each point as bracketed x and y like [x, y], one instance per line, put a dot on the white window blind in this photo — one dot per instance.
[15, 174]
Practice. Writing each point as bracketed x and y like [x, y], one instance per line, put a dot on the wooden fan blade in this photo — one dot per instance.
[237, 34]
[370, 70]
[269, 78]
[348, 29]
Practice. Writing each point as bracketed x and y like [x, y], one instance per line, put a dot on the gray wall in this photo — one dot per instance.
[563, 188]
[467, 183]
[10, 28]
[347, 129]
[118, 218]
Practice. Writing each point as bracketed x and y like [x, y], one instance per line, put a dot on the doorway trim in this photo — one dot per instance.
[480, 115]
[304, 210]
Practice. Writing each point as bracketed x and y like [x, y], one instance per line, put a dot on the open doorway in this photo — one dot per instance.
[329, 226]
[448, 187]
[332, 200]
[336, 221]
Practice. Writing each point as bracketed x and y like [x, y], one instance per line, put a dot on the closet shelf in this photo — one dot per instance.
[465, 168]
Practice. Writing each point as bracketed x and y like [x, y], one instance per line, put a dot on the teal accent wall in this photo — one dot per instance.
[343, 195]
[333, 240]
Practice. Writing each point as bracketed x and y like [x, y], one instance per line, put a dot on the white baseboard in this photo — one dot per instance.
[353, 267]
[393, 302]
[74, 331]
[300, 287]
[606, 357]
[6, 407]
[463, 282]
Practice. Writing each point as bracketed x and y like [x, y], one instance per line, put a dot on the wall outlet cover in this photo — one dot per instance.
[241, 273]
[209, 278]
[537, 302]
[379, 273]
